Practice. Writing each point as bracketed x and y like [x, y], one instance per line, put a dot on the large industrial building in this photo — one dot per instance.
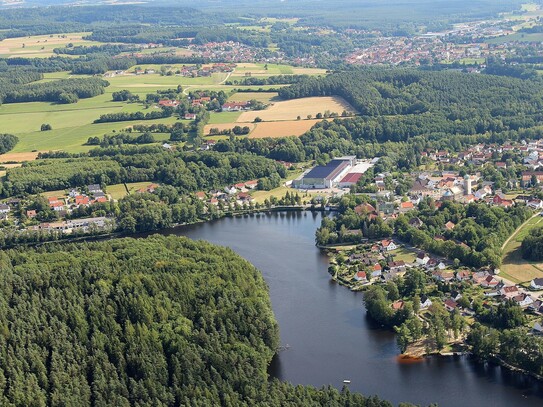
[340, 172]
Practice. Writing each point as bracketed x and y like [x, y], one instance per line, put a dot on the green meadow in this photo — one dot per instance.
[73, 124]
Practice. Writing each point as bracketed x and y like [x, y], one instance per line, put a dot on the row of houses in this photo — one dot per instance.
[237, 193]
[75, 199]
[70, 226]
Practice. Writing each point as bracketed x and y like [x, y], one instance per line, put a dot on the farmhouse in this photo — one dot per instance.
[364, 208]
[168, 103]
[489, 281]
[236, 106]
[416, 222]
[377, 270]
[94, 188]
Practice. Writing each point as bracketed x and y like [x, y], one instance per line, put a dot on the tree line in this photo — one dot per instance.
[186, 171]
[532, 245]
[475, 240]
[402, 103]
[185, 323]
[7, 142]
[60, 91]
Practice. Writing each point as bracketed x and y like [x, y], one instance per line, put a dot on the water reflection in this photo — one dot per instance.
[331, 337]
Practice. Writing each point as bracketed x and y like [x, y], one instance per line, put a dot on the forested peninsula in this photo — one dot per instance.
[161, 321]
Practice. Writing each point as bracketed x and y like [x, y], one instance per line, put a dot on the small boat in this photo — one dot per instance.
[346, 381]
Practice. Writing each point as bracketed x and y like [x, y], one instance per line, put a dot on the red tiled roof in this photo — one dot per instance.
[353, 177]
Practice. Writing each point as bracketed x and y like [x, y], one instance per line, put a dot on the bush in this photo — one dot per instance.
[7, 142]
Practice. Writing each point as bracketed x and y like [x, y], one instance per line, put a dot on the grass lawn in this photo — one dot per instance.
[403, 254]
[264, 97]
[119, 191]
[143, 84]
[259, 69]
[54, 194]
[72, 139]
[514, 267]
[224, 117]
[72, 124]
[40, 45]
[522, 37]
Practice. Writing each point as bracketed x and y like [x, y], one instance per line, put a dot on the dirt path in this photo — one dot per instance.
[185, 90]
[517, 230]
[225, 79]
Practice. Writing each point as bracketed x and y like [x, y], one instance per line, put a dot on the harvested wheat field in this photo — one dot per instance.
[308, 71]
[291, 109]
[282, 129]
[226, 126]
[18, 157]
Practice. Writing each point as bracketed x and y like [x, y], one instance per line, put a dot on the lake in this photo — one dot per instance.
[329, 337]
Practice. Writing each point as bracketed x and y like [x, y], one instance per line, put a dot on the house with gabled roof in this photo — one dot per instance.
[463, 275]
[406, 206]
[377, 270]
[489, 282]
[456, 295]
[415, 222]
[523, 300]
[508, 291]
[425, 301]
[422, 259]
[443, 276]
[396, 266]
[537, 283]
[450, 304]
[388, 245]
[361, 276]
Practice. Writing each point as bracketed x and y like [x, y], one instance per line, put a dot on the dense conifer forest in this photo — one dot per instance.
[147, 322]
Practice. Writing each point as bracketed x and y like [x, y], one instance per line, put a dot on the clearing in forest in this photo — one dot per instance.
[282, 129]
[291, 109]
[514, 267]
